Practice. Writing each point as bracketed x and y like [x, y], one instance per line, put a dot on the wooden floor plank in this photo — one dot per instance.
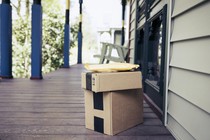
[146, 130]
[83, 137]
[152, 122]
[43, 105]
[59, 122]
[53, 109]
[47, 130]
[150, 115]
[41, 115]
[43, 110]
[148, 110]
[140, 130]
[41, 122]
[42, 101]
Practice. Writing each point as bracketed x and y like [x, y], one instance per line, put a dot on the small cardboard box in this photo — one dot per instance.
[113, 112]
[100, 82]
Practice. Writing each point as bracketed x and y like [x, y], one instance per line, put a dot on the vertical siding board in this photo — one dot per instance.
[133, 15]
[132, 30]
[132, 34]
[193, 24]
[192, 87]
[183, 5]
[192, 55]
[132, 44]
[189, 116]
[178, 130]
[189, 72]
[132, 26]
[141, 22]
[132, 8]
[157, 8]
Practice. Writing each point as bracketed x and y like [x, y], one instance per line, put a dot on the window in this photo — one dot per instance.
[139, 50]
[154, 51]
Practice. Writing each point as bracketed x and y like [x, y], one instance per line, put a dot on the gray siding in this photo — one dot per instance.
[192, 24]
[178, 130]
[132, 29]
[189, 70]
[194, 120]
[188, 54]
[181, 6]
[191, 86]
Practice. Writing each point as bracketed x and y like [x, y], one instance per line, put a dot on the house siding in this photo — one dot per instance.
[132, 29]
[197, 53]
[178, 131]
[187, 77]
[193, 119]
[189, 70]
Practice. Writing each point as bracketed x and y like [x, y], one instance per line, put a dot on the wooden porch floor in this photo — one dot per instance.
[53, 109]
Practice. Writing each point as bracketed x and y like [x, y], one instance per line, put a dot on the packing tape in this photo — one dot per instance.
[98, 101]
[89, 81]
[98, 124]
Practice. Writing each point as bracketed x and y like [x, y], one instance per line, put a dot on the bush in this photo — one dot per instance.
[52, 43]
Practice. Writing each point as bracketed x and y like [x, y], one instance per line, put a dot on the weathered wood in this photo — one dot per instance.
[152, 121]
[47, 130]
[43, 110]
[42, 122]
[53, 109]
[150, 115]
[147, 110]
[83, 137]
[31, 114]
[146, 130]
[43, 105]
[139, 130]
[40, 101]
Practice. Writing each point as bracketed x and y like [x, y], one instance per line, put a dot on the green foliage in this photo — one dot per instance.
[21, 48]
[52, 42]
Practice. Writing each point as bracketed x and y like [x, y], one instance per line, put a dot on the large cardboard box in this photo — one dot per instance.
[100, 82]
[113, 112]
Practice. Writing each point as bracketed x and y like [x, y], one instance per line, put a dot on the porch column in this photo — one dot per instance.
[66, 36]
[5, 39]
[124, 2]
[36, 53]
[79, 58]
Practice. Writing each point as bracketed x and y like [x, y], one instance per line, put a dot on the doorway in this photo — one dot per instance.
[150, 55]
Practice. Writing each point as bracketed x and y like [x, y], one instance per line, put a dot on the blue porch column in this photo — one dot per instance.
[5, 39]
[66, 36]
[79, 58]
[36, 53]
[124, 2]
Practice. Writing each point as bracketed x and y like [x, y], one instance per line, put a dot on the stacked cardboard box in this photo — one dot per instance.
[113, 101]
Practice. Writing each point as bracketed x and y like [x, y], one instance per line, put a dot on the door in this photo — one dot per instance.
[150, 55]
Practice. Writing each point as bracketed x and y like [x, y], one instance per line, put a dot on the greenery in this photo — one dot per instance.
[53, 37]
[53, 40]
[21, 49]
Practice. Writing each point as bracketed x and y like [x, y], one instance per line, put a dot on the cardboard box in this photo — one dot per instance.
[100, 82]
[113, 112]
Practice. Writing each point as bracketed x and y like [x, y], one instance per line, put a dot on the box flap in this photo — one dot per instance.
[102, 82]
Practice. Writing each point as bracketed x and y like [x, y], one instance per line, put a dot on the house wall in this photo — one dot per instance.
[134, 24]
[132, 29]
[188, 110]
[187, 78]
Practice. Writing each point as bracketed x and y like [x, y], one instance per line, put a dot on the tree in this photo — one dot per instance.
[53, 40]
[53, 37]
